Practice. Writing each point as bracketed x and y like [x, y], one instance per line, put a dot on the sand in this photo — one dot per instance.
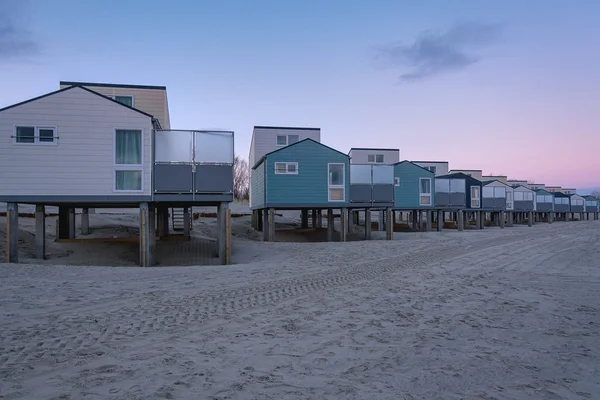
[492, 314]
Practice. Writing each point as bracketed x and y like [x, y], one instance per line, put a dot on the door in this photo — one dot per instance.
[475, 197]
[509, 200]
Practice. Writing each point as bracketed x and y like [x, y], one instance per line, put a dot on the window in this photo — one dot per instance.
[35, 135]
[289, 168]
[442, 185]
[375, 158]
[475, 196]
[509, 203]
[488, 192]
[128, 160]
[284, 140]
[519, 196]
[528, 196]
[396, 181]
[499, 192]
[281, 140]
[432, 169]
[425, 191]
[457, 186]
[127, 100]
[336, 187]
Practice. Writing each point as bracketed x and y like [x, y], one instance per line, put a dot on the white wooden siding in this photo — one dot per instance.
[81, 164]
[361, 156]
[264, 140]
[151, 101]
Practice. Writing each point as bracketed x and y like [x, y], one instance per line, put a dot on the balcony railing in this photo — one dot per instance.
[193, 162]
[371, 184]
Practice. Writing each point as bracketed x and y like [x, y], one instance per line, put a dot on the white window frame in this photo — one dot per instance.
[396, 181]
[375, 158]
[509, 199]
[342, 186]
[475, 198]
[114, 97]
[36, 135]
[127, 167]
[421, 194]
[287, 168]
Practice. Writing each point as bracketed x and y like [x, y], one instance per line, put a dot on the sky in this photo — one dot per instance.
[509, 87]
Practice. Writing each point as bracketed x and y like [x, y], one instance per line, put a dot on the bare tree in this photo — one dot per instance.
[596, 193]
[241, 177]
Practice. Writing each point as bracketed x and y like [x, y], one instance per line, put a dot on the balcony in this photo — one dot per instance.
[372, 185]
[193, 166]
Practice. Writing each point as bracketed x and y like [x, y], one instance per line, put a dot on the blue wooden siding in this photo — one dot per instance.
[310, 185]
[407, 193]
[258, 187]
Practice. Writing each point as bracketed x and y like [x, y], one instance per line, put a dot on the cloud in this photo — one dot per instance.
[434, 53]
[15, 41]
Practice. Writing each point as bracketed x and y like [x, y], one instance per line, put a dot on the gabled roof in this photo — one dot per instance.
[69, 88]
[112, 85]
[430, 162]
[543, 191]
[457, 175]
[561, 194]
[522, 186]
[418, 166]
[294, 144]
[589, 196]
[484, 183]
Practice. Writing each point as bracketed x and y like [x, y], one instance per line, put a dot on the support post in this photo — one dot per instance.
[85, 221]
[381, 224]
[344, 225]
[319, 219]
[550, 217]
[271, 224]
[460, 221]
[259, 220]
[501, 217]
[71, 223]
[12, 233]
[367, 224]
[146, 241]
[389, 226]
[414, 220]
[481, 219]
[40, 232]
[186, 221]
[304, 219]
[265, 226]
[440, 220]
[224, 233]
[330, 222]
[428, 220]
[478, 217]
[510, 218]
[314, 219]
[350, 223]
[530, 218]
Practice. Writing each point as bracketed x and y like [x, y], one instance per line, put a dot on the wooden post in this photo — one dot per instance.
[344, 225]
[63, 223]
[501, 219]
[440, 220]
[314, 219]
[228, 236]
[389, 227]
[350, 223]
[367, 224]
[146, 230]
[259, 220]
[460, 221]
[85, 221]
[40, 232]
[304, 219]
[481, 219]
[319, 219]
[71, 223]
[530, 218]
[186, 221]
[271, 224]
[265, 226]
[428, 216]
[330, 222]
[12, 233]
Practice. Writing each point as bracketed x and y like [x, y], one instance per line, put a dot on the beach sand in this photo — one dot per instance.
[495, 314]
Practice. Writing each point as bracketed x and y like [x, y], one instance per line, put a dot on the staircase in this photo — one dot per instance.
[177, 219]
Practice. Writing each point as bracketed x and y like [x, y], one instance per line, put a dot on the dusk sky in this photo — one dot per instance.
[510, 87]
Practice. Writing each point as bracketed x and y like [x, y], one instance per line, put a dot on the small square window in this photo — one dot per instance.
[128, 180]
[293, 139]
[281, 140]
[46, 135]
[379, 158]
[396, 181]
[292, 168]
[25, 134]
[426, 200]
[371, 158]
[280, 168]
[336, 194]
[127, 100]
